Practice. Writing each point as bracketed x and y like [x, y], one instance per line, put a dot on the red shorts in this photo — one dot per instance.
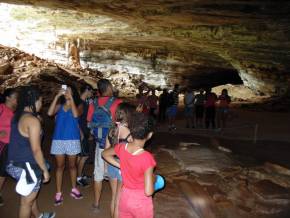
[134, 203]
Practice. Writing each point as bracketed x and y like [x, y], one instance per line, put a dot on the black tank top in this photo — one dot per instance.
[19, 148]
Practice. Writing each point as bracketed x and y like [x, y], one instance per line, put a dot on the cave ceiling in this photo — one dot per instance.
[191, 42]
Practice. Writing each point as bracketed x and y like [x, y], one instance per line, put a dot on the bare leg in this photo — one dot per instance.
[72, 169]
[113, 184]
[26, 204]
[81, 164]
[35, 209]
[117, 198]
[97, 192]
[2, 180]
[60, 161]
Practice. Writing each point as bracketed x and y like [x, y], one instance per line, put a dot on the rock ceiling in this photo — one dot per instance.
[192, 42]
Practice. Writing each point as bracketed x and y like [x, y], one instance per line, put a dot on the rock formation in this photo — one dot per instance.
[196, 43]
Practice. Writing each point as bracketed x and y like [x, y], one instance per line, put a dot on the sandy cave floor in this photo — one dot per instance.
[195, 168]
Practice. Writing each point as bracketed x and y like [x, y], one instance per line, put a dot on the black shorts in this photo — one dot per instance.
[85, 147]
[199, 109]
[3, 159]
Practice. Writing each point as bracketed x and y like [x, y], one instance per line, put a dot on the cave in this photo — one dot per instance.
[242, 46]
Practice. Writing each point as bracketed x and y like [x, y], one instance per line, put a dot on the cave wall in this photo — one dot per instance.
[175, 41]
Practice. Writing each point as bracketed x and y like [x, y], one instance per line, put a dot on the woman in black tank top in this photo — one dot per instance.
[24, 152]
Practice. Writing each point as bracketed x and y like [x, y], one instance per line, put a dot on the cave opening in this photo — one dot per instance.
[236, 167]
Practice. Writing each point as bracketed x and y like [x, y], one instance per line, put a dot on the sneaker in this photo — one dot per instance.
[82, 182]
[75, 193]
[58, 199]
[47, 215]
[106, 176]
[86, 177]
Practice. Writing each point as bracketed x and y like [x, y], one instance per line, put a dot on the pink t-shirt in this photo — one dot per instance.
[6, 115]
[133, 167]
[224, 101]
[102, 101]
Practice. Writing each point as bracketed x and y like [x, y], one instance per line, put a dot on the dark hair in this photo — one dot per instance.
[124, 111]
[103, 85]
[140, 125]
[28, 95]
[85, 88]
[7, 93]
[225, 91]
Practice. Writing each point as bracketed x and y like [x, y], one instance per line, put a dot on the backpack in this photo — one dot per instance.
[101, 121]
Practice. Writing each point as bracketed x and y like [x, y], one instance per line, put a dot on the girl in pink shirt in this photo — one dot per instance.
[137, 166]
[6, 114]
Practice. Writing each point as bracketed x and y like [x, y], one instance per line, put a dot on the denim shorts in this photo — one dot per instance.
[172, 111]
[188, 111]
[114, 172]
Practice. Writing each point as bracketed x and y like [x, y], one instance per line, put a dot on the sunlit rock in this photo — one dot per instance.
[197, 44]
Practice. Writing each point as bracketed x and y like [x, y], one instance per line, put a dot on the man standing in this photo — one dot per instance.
[101, 114]
[86, 139]
[172, 109]
[163, 98]
[153, 103]
[188, 108]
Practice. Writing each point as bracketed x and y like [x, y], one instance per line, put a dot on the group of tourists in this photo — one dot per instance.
[116, 128]
[203, 110]
[200, 110]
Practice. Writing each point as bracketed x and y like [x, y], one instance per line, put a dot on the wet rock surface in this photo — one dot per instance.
[217, 184]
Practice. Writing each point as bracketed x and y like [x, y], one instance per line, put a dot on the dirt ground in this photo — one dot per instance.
[272, 145]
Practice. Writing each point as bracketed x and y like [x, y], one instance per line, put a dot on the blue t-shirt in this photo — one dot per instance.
[66, 126]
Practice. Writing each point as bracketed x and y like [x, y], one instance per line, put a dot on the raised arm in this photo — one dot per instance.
[74, 108]
[54, 107]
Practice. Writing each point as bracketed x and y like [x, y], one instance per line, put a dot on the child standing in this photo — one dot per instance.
[119, 133]
[137, 167]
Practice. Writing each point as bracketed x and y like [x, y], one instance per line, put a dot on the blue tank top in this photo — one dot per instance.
[19, 149]
[66, 126]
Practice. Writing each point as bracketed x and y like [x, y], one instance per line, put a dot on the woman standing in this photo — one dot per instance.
[66, 139]
[25, 156]
[6, 115]
[224, 101]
